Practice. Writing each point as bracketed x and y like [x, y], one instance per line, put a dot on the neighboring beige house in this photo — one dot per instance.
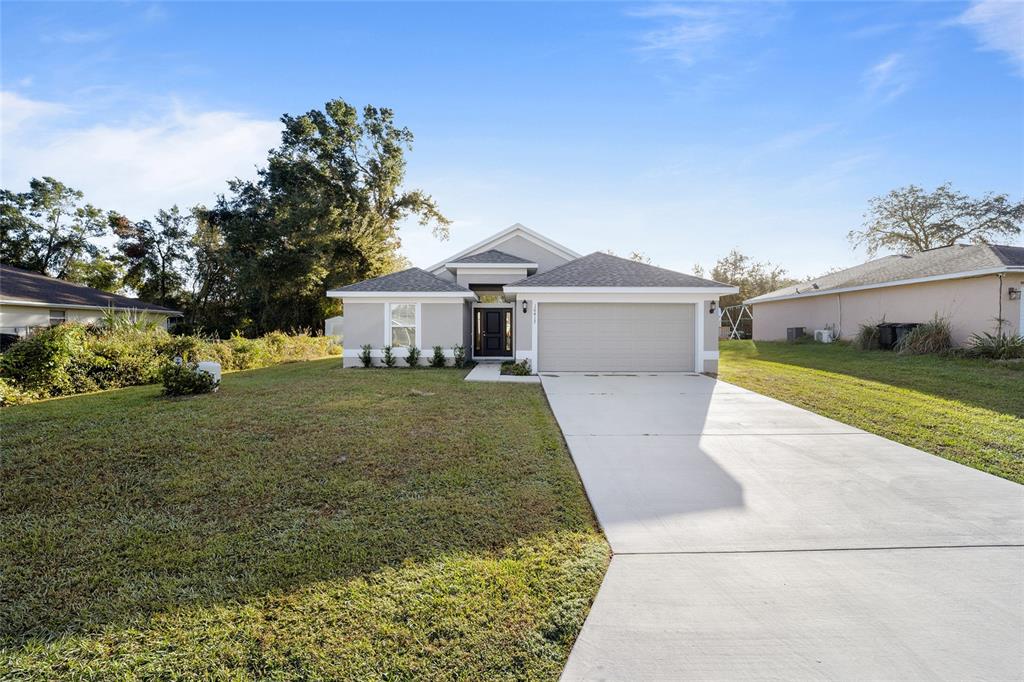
[519, 295]
[30, 301]
[972, 286]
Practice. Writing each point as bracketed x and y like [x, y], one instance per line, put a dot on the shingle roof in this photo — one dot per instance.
[947, 260]
[21, 285]
[492, 256]
[604, 270]
[411, 280]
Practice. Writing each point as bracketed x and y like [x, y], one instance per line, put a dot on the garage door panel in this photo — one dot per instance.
[616, 337]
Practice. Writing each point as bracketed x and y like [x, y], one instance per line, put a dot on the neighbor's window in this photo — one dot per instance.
[403, 324]
[58, 317]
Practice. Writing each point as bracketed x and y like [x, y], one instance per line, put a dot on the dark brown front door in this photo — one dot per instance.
[493, 336]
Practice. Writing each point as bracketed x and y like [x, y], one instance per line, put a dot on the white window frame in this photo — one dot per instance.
[417, 334]
[63, 316]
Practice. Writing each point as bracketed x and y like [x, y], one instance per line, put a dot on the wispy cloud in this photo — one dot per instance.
[690, 33]
[21, 113]
[178, 155]
[887, 79]
[71, 37]
[999, 26]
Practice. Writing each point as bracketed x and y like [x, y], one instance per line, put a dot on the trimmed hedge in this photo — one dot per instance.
[74, 358]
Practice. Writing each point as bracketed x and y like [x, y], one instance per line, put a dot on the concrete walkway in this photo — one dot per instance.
[491, 371]
[756, 540]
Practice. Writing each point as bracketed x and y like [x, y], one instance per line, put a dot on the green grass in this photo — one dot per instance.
[306, 522]
[969, 411]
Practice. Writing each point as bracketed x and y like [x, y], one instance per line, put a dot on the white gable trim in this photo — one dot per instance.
[516, 229]
[478, 266]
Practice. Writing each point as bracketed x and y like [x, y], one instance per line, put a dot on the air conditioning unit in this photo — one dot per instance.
[823, 335]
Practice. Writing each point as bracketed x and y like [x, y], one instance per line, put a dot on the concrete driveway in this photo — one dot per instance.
[754, 539]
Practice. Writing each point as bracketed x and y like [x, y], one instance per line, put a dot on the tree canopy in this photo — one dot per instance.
[753, 278]
[910, 219]
[48, 229]
[325, 212]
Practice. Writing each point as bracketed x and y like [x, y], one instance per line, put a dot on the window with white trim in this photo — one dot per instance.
[403, 324]
[58, 317]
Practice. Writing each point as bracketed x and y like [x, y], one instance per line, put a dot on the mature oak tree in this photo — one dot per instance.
[324, 212]
[910, 219]
[154, 254]
[48, 229]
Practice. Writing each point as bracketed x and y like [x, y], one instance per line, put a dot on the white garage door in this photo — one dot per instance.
[615, 337]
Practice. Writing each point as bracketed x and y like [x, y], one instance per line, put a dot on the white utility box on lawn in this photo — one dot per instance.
[211, 368]
[823, 335]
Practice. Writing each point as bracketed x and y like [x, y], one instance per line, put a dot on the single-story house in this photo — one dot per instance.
[519, 295]
[972, 286]
[30, 301]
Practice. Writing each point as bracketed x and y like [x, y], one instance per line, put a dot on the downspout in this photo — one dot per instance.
[999, 319]
[839, 331]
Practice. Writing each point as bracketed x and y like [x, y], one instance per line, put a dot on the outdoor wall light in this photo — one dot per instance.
[711, 310]
[1014, 293]
[524, 305]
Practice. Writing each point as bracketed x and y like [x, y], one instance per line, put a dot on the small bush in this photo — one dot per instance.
[437, 359]
[412, 356]
[12, 395]
[927, 338]
[186, 379]
[389, 357]
[519, 369]
[459, 355]
[867, 336]
[995, 346]
[366, 355]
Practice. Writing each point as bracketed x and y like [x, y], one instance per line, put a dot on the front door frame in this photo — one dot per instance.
[510, 355]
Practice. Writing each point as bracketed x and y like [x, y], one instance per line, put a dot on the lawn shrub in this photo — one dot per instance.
[437, 359]
[12, 395]
[389, 357]
[519, 369]
[366, 355]
[75, 358]
[186, 379]
[459, 355]
[927, 338]
[995, 346]
[412, 356]
[867, 335]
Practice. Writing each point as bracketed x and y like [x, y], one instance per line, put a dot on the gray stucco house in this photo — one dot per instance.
[519, 295]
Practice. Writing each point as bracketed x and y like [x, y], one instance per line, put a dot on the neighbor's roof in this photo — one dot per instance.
[17, 285]
[604, 270]
[493, 256]
[945, 262]
[413, 280]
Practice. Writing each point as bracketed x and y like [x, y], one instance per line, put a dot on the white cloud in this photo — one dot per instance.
[690, 33]
[17, 112]
[999, 26]
[179, 156]
[888, 79]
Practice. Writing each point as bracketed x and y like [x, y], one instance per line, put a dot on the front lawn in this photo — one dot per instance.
[306, 522]
[969, 411]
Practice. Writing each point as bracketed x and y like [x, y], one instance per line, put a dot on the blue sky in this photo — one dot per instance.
[679, 130]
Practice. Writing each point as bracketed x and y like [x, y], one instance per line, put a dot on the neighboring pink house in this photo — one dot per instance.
[973, 286]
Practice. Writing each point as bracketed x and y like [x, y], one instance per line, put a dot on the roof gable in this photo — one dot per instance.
[494, 242]
[604, 270]
[492, 256]
[17, 285]
[411, 281]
